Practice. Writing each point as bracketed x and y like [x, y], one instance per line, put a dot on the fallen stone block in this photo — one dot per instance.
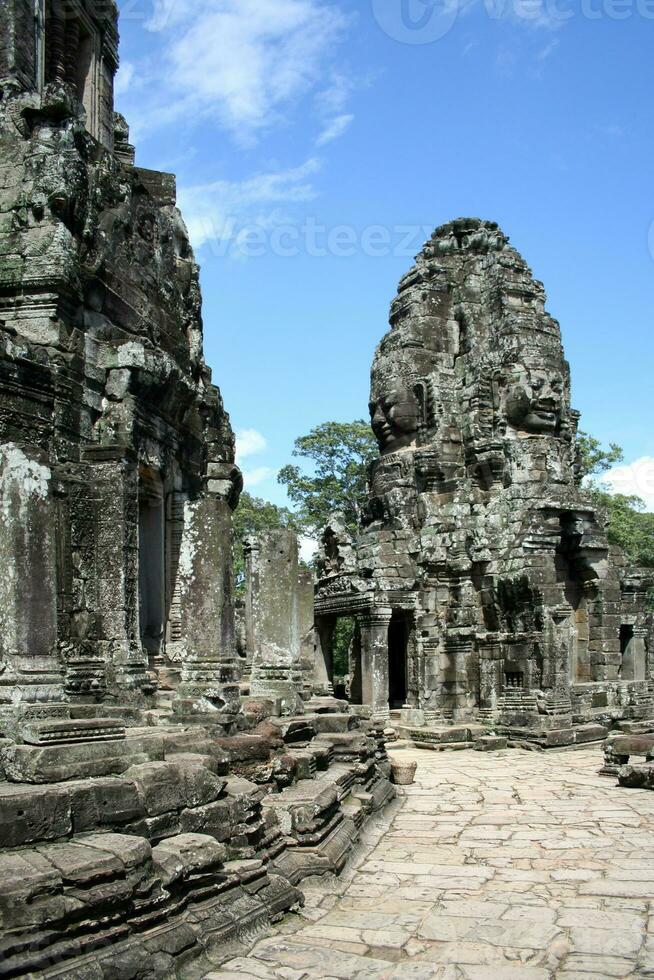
[329, 722]
[180, 857]
[293, 730]
[69, 731]
[60, 763]
[490, 743]
[590, 733]
[102, 803]
[637, 777]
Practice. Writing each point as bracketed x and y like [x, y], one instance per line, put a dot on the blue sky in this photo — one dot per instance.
[318, 142]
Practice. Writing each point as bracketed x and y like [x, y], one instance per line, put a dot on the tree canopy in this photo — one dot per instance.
[338, 454]
[630, 526]
[593, 459]
[252, 516]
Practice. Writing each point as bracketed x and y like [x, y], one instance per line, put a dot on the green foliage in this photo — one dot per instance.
[629, 525]
[593, 459]
[339, 454]
[252, 516]
[341, 645]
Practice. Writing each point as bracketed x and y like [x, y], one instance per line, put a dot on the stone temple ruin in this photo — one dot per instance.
[150, 815]
[167, 781]
[482, 583]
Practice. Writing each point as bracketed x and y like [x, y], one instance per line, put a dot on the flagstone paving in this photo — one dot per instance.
[503, 866]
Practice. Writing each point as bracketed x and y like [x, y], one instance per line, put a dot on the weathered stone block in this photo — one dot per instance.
[170, 786]
[637, 777]
[212, 820]
[58, 763]
[490, 743]
[187, 854]
[559, 737]
[29, 814]
[100, 803]
[590, 733]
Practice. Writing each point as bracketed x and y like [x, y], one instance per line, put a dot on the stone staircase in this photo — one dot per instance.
[143, 862]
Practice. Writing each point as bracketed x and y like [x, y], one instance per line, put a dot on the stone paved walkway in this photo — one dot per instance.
[511, 865]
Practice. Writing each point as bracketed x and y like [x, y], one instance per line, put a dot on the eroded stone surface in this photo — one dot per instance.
[481, 578]
[510, 864]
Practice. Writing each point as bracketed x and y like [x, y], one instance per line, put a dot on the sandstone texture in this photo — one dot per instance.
[152, 820]
[481, 580]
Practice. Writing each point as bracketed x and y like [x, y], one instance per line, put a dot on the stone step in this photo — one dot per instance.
[442, 735]
[69, 761]
[131, 901]
[322, 817]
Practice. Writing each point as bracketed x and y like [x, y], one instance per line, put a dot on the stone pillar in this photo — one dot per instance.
[55, 40]
[210, 672]
[634, 660]
[105, 646]
[307, 630]
[30, 670]
[374, 661]
[490, 679]
[252, 594]
[273, 618]
[18, 44]
[355, 693]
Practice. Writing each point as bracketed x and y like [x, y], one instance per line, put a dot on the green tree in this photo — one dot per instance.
[593, 459]
[630, 526]
[338, 454]
[341, 640]
[252, 516]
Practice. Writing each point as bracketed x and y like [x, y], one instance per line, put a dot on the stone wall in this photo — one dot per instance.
[152, 827]
[108, 414]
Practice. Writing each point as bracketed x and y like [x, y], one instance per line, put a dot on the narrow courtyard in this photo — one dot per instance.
[509, 865]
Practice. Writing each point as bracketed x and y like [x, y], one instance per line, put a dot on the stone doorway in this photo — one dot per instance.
[152, 577]
[580, 665]
[398, 648]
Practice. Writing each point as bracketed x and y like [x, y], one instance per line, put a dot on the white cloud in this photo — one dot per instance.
[243, 62]
[253, 478]
[634, 479]
[308, 548]
[332, 100]
[334, 129]
[223, 210]
[249, 442]
[124, 78]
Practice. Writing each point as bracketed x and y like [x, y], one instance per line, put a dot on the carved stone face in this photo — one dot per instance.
[534, 400]
[394, 419]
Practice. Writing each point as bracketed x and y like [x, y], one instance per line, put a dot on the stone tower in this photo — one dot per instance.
[117, 472]
[484, 583]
